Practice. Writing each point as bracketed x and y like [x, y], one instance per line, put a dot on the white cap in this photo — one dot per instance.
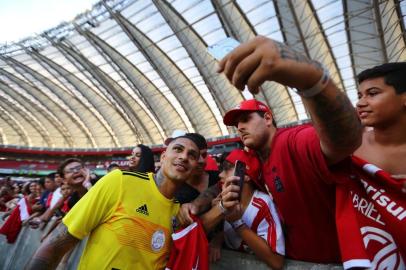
[176, 133]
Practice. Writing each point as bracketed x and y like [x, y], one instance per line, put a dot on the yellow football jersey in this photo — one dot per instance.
[129, 222]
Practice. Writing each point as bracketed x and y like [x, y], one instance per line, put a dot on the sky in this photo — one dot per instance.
[23, 18]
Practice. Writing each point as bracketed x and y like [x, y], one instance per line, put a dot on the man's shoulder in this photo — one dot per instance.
[135, 175]
[258, 194]
[295, 129]
[293, 135]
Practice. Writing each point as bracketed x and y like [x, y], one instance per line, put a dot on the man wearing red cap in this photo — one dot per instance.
[297, 163]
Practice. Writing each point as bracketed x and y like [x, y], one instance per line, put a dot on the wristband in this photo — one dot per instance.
[223, 210]
[237, 224]
[317, 88]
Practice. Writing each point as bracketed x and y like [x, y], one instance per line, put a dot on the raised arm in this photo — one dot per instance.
[47, 215]
[52, 250]
[201, 204]
[334, 118]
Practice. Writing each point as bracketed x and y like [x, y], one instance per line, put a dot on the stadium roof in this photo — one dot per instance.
[131, 72]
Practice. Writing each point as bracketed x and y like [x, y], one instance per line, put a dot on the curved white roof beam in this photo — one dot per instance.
[195, 107]
[31, 121]
[302, 31]
[148, 131]
[275, 95]
[166, 115]
[225, 95]
[61, 97]
[24, 93]
[92, 102]
[374, 33]
[3, 138]
[21, 136]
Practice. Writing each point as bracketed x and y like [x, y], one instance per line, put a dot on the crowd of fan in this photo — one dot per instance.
[315, 189]
[35, 203]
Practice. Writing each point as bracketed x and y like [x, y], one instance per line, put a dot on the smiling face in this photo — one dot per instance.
[33, 188]
[49, 184]
[74, 174]
[135, 157]
[378, 103]
[66, 190]
[58, 179]
[179, 160]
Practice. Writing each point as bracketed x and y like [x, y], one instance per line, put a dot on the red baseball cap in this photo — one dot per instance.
[211, 164]
[249, 105]
[252, 164]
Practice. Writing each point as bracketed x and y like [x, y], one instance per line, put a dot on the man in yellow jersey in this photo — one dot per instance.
[127, 216]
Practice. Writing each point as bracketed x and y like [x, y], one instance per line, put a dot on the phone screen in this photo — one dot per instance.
[222, 48]
[239, 170]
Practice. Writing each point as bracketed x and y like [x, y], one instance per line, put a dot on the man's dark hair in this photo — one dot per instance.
[198, 139]
[147, 163]
[112, 165]
[393, 74]
[260, 113]
[41, 182]
[51, 176]
[61, 168]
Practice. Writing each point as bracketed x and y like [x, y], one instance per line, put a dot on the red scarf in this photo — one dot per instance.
[371, 218]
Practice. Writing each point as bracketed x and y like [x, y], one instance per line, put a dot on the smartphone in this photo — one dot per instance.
[239, 170]
[222, 48]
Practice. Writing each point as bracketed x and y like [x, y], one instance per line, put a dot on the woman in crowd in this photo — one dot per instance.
[141, 159]
[26, 207]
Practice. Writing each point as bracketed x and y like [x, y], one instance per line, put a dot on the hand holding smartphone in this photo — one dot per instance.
[239, 170]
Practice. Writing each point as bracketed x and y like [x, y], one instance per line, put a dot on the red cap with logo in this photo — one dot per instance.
[252, 164]
[250, 105]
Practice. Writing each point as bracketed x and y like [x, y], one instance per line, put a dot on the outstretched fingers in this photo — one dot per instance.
[244, 70]
[228, 64]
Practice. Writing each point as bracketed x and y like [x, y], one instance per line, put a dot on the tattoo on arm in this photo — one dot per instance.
[338, 125]
[203, 201]
[52, 250]
[159, 178]
[332, 112]
[287, 53]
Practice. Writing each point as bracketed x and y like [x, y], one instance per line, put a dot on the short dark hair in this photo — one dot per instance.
[61, 168]
[147, 162]
[198, 139]
[393, 74]
[260, 113]
[51, 176]
[112, 165]
[41, 182]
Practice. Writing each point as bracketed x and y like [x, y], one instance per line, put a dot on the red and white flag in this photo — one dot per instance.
[12, 227]
[371, 219]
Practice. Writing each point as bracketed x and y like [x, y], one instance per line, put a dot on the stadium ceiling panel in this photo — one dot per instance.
[133, 71]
